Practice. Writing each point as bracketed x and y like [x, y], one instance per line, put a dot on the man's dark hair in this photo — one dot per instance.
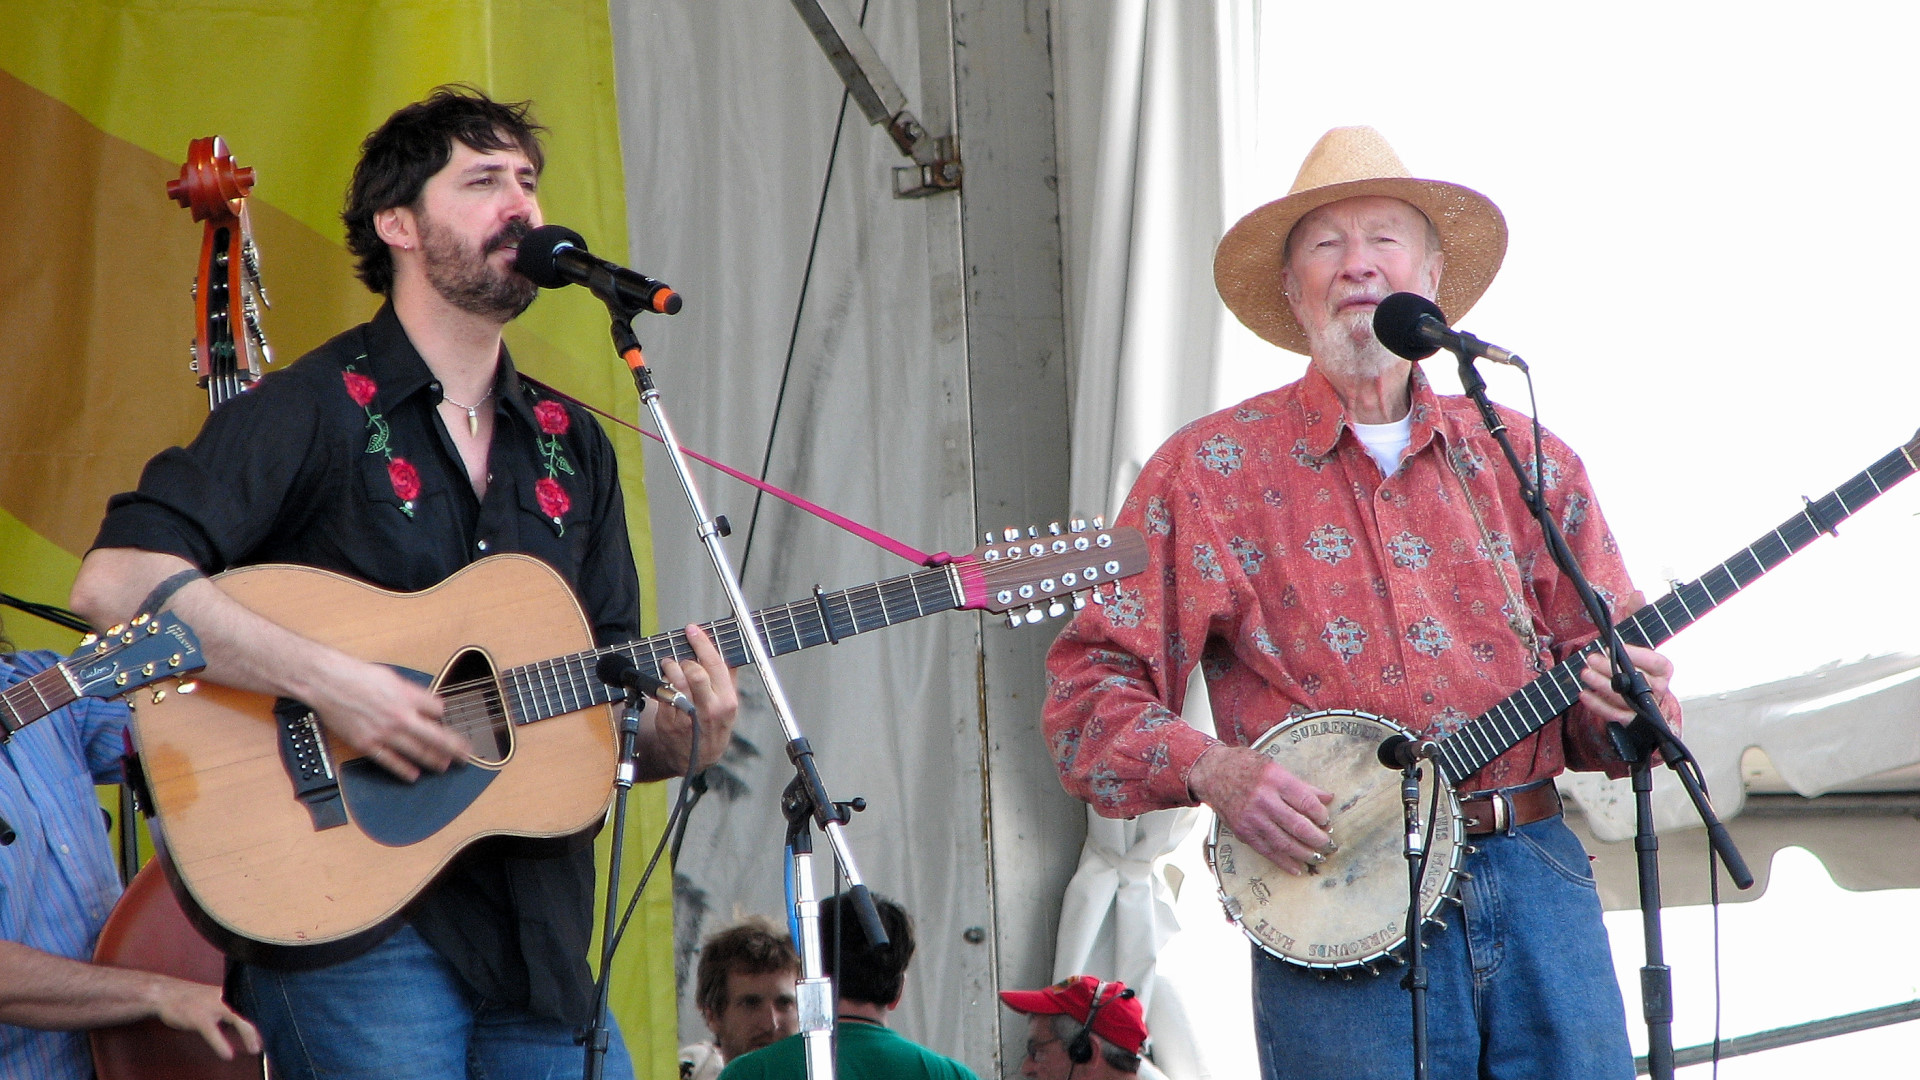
[863, 973]
[751, 947]
[397, 160]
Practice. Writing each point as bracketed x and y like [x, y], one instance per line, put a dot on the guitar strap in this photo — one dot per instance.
[164, 591]
[1519, 616]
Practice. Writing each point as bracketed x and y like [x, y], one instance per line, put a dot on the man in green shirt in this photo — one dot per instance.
[869, 982]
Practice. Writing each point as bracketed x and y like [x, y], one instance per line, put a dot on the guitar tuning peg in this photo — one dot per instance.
[114, 630]
[1053, 528]
[159, 696]
[1079, 601]
[1033, 532]
[1010, 533]
[1098, 596]
[1057, 608]
[187, 687]
[1035, 614]
[1077, 525]
[1099, 521]
[89, 640]
[141, 619]
[1015, 620]
[989, 536]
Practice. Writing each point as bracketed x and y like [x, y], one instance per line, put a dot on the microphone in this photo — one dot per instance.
[616, 670]
[554, 256]
[1412, 328]
[1400, 752]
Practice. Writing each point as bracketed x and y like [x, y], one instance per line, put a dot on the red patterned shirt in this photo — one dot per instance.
[1299, 579]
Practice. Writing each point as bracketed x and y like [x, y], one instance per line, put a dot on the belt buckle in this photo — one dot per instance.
[1502, 805]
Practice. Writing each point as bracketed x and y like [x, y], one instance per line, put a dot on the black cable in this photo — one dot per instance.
[800, 306]
[55, 614]
[682, 808]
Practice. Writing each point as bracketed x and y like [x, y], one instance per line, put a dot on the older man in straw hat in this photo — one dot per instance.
[1354, 540]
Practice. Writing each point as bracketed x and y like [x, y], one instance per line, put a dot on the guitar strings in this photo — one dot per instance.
[475, 705]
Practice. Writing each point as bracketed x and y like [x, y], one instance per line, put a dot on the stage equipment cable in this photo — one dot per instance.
[799, 308]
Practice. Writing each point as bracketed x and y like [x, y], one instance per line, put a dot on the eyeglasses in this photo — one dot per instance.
[1035, 1047]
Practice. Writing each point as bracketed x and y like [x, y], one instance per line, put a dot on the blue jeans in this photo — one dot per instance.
[1521, 988]
[399, 1012]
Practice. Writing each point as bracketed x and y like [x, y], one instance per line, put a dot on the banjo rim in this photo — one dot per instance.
[1456, 828]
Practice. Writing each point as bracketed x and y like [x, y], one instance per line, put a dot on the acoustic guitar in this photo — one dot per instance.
[124, 659]
[288, 848]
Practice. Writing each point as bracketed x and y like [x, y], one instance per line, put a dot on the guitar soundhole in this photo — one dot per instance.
[474, 708]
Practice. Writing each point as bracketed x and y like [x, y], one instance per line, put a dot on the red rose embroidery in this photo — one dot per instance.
[553, 498]
[360, 388]
[552, 416]
[406, 480]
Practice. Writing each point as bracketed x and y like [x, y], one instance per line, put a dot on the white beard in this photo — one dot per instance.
[1346, 347]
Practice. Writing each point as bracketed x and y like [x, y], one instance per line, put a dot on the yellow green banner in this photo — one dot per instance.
[98, 102]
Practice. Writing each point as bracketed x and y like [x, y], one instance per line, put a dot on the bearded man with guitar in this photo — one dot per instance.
[1355, 541]
[397, 453]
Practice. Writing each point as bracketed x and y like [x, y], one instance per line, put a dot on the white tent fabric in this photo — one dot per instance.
[1822, 730]
[728, 111]
[1149, 95]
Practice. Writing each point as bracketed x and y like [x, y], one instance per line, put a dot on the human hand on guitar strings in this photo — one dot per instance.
[1280, 815]
[1605, 703]
[666, 733]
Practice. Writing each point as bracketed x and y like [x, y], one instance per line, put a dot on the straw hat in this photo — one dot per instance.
[1346, 163]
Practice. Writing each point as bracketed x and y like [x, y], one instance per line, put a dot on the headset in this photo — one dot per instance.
[1080, 1049]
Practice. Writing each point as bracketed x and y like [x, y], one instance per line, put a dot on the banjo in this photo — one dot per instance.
[1349, 911]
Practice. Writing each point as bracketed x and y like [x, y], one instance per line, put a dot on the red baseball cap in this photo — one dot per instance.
[1120, 1020]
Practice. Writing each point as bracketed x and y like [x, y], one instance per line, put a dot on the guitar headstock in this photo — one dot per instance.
[226, 285]
[1036, 574]
[125, 658]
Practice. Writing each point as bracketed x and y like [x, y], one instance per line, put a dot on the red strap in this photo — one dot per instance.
[871, 535]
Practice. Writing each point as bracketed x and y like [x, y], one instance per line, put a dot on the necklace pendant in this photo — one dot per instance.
[473, 422]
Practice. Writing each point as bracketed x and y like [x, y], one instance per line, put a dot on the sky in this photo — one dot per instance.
[1713, 243]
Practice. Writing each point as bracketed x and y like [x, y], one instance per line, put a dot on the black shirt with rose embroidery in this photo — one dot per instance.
[341, 461]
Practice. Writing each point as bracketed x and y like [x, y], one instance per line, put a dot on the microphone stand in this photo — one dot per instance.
[1636, 743]
[814, 991]
[1415, 981]
[599, 1036]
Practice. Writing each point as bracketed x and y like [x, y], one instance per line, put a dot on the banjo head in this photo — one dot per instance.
[1351, 910]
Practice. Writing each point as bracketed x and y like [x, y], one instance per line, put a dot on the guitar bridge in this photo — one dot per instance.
[304, 753]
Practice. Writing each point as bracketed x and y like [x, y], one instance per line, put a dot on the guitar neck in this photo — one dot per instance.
[1528, 709]
[566, 683]
[34, 697]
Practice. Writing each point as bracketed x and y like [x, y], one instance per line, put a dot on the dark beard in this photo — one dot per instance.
[469, 283]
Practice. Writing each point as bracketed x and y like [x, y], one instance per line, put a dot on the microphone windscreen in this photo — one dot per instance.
[614, 669]
[1396, 322]
[535, 259]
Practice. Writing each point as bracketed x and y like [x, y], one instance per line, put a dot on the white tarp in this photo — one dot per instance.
[727, 114]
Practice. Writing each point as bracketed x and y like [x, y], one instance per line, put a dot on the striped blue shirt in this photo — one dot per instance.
[57, 879]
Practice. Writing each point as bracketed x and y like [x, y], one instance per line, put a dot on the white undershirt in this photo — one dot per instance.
[1385, 442]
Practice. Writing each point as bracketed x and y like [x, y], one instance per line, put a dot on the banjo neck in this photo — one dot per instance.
[1528, 709]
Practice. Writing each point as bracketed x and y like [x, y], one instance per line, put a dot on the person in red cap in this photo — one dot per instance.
[1082, 1028]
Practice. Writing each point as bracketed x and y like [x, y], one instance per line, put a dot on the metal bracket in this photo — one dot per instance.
[936, 159]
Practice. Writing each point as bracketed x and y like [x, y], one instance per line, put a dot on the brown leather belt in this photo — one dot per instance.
[1503, 811]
